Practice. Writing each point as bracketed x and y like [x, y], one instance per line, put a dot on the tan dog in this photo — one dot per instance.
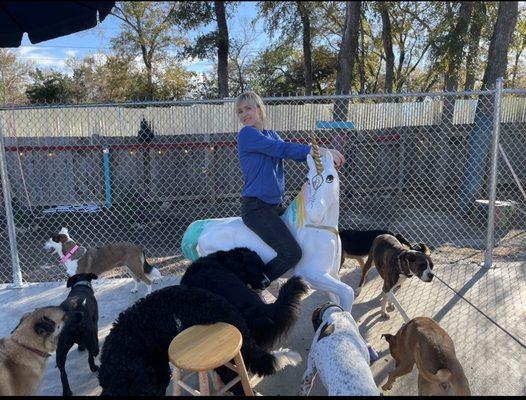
[24, 355]
[100, 259]
[424, 342]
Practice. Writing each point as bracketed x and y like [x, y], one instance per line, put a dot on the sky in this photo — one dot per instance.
[54, 53]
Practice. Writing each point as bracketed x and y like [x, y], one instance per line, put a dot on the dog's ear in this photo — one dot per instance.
[326, 330]
[391, 339]
[422, 247]
[44, 327]
[92, 277]
[21, 320]
[71, 281]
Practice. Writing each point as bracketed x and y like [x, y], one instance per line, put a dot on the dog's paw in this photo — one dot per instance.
[286, 357]
[386, 316]
[390, 307]
[67, 393]
[387, 386]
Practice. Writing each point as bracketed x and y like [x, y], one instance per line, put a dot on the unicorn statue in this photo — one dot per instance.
[312, 218]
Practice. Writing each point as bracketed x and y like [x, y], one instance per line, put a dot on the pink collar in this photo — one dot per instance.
[69, 254]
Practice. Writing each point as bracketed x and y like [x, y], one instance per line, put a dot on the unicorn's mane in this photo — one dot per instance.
[295, 213]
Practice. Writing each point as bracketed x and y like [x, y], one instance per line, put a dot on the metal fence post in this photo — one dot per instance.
[17, 275]
[488, 257]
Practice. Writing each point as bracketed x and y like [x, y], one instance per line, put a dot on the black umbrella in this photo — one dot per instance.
[44, 20]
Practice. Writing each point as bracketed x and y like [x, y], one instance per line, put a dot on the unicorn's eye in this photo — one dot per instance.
[330, 178]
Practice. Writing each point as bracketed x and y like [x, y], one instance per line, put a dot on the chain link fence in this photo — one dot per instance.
[418, 164]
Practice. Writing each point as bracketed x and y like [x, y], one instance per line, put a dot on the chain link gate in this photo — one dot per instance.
[417, 164]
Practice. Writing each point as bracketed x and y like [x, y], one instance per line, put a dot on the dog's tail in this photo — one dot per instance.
[263, 363]
[275, 320]
[442, 376]
[151, 272]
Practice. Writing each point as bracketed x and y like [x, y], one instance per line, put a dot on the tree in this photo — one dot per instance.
[477, 20]
[194, 14]
[387, 40]
[518, 44]
[500, 41]
[454, 52]
[148, 30]
[222, 48]
[346, 57]
[49, 87]
[292, 20]
[14, 75]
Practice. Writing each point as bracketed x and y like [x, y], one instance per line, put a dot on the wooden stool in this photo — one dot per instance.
[201, 349]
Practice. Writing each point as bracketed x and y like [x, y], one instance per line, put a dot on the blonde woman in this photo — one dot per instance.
[261, 153]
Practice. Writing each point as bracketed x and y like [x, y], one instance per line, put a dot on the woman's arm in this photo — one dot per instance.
[251, 139]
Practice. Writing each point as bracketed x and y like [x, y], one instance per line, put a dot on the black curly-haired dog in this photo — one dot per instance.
[230, 273]
[134, 359]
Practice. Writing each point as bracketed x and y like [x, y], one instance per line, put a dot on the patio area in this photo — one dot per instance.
[483, 310]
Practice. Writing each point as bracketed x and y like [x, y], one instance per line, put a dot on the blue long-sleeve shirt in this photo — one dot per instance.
[261, 155]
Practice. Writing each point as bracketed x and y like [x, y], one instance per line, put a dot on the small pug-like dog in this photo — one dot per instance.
[24, 354]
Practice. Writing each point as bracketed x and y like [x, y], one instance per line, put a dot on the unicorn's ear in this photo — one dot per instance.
[310, 163]
[328, 160]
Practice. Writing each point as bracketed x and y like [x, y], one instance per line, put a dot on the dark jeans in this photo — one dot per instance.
[264, 219]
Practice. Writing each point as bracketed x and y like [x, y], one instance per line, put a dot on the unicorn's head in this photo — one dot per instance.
[322, 190]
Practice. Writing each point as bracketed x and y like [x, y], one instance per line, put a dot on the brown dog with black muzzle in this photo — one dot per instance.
[395, 263]
[24, 355]
[424, 342]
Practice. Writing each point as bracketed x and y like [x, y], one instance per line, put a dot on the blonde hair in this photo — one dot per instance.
[254, 100]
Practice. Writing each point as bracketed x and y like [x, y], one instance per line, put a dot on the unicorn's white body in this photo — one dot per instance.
[312, 219]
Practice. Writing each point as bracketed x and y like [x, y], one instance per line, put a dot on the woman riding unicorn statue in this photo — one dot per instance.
[310, 221]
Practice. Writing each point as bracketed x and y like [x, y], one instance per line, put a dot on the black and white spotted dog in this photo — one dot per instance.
[339, 354]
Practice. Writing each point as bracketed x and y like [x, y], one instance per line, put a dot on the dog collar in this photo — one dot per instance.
[328, 305]
[83, 283]
[69, 254]
[401, 269]
[38, 352]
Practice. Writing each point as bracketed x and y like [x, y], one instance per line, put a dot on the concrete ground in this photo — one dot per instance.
[487, 325]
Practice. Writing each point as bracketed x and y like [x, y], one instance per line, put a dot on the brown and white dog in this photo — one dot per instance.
[395, 263]
[100, 259]
[24, 354]
[424, 342]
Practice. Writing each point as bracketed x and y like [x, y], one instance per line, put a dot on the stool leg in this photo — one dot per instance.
[203, 383]
[241, 370]
[176, 375]
[216, 381]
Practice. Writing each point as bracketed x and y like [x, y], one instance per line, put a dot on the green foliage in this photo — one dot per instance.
[50, 87]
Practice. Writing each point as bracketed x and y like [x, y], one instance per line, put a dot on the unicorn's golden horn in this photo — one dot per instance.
[316, 155]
